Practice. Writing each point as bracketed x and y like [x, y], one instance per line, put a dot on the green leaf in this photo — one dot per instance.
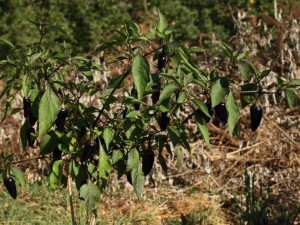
[233, 112]
[174, 135]
[163, 162]
[81, 58]
[167, 91]
[182, 97]
[219, 91]
[26, 82]
[133, 114]
[34, 57]
[293, 83]
[264, 73]
[291, 98]
[108, 136]
[246, 68]
[55, 175]
[247, 98]
[48, 143]
[7, 42]
[135, 169]
[48, 110]
[202, 106]
[202, 126]
[140, 72]
[116, 156]
[19, 175]
[91, 195]
[162, 23]
[105, 166]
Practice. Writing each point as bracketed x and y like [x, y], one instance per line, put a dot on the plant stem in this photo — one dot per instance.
[112, 92]
[70, 200]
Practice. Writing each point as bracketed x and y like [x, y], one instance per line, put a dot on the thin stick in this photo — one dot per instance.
[70, 199]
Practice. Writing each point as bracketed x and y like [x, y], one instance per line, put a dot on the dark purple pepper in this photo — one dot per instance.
[161, 59]
[147, 161]
[134, 94]
[90, 148]
[57, 154]
[155, 95]
[29, 139]
[256, 115]
[129, 179]
[26, 107]
[28, 112]
[61, 118]
[221, 112]
[164, 121]
[10, 185]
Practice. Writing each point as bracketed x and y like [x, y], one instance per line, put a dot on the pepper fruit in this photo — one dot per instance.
[256, 115]
[29, 139]
[90, 148]
[61, 118]
[147, 161]
[28, 112]
[129, 179]
[134, 94]
[10, 185]
[220, 110]
[155, 95]
[57, 154]
[164, 121]
[161, 59]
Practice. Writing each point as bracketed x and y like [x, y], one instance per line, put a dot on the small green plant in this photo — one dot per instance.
[257, 209]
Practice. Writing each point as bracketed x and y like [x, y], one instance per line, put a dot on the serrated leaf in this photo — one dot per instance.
[105, 166]
[162, 23]
[232, 111]
[48, 110]
[219, 91]
[108, 136]
[202, 126]
[19, 175]
[291, 98]
[140, 72]
[167, 91]
[91, 195]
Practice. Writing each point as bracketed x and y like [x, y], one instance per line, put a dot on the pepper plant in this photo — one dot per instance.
[136, 114]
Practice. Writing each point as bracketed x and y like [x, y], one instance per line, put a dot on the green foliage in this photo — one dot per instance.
[97, 140]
